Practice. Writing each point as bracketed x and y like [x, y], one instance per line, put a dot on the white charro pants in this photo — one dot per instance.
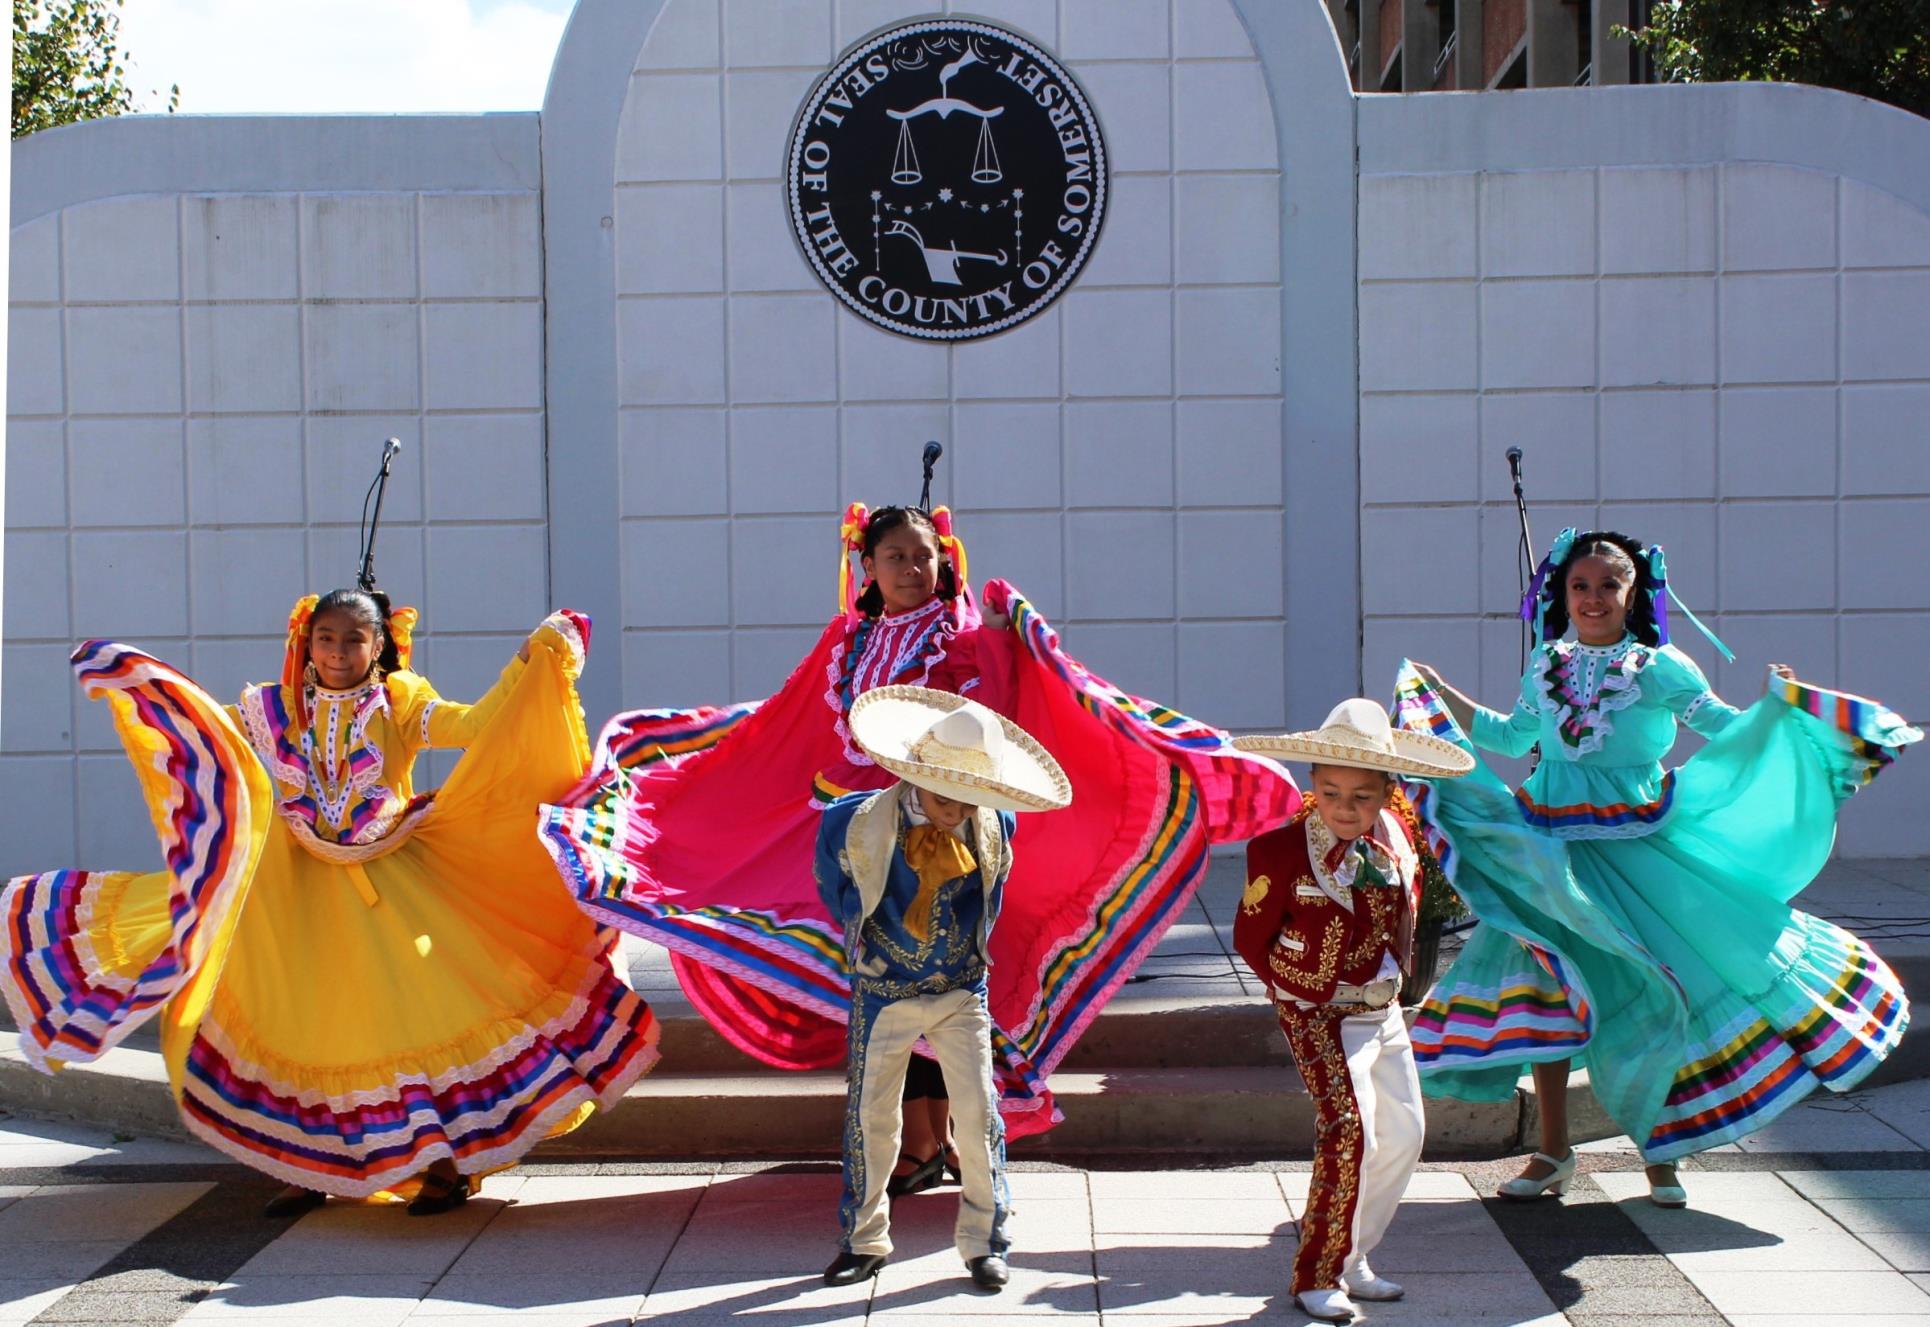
[1368, 1130]
[958, 1028]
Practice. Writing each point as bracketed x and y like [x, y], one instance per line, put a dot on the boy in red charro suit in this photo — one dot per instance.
[1327, 922]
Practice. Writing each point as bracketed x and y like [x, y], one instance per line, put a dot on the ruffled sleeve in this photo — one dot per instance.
[1516, 732]
[1679, 684]
[427, 720]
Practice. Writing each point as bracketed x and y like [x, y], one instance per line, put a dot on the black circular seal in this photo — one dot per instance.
[947, 178]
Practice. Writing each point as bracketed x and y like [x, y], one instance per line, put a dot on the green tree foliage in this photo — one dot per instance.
[1875, 48]
[67, 65]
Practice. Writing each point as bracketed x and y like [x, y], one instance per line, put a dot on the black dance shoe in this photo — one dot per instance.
[438, 1194]
[849, 1268]
[923, 1175]
[293, 1201]
[989, 1272]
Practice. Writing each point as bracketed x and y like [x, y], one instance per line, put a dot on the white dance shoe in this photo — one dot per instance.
[1361, 1283]
[1668, 1195]
[1555, 1182]
[1326, 1305]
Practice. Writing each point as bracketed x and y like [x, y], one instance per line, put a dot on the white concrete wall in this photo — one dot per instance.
[1729, 356]
[198, 387]
[1118, 456]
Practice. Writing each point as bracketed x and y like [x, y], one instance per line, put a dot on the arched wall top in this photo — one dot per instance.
[174, 154]
[1676, 125]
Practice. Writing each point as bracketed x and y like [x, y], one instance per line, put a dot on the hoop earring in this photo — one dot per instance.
[310, 676]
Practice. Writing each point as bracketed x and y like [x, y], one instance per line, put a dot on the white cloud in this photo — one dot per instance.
[261, 56]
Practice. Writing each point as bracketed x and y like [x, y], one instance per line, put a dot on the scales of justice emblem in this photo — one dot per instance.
[946, 179]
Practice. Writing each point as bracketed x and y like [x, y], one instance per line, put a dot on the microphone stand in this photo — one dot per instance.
[365, 575]
[1525, 552]
[933, 450]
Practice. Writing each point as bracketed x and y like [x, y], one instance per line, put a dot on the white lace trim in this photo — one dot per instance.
[1615, 692]
[427, 710]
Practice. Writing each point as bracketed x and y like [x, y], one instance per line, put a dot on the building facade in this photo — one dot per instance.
[1487, 45]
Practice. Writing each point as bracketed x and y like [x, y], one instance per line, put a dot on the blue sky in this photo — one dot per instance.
[272, 56]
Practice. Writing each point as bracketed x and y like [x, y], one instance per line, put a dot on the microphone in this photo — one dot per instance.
[933, 450]
[391, 448]
[1514, 461]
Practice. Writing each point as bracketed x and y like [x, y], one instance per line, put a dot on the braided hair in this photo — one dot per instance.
[1626, 556]
[882, 522]
[372, 609]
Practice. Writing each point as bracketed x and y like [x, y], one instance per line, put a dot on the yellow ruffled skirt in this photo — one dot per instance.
[339, 1025]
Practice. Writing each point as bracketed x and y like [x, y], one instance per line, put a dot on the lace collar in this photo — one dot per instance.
[1581, 685]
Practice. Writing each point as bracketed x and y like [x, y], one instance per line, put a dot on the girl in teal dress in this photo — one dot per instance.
[1637, 917]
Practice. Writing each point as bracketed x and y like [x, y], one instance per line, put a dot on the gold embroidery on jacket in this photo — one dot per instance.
[1312, 972]
[1381, 928]
[1256, 893]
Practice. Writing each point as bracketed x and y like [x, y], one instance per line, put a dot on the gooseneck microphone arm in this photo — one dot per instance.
[365, 573]
[933, 450]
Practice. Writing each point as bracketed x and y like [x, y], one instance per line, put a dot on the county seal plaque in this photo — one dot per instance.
[946, 179]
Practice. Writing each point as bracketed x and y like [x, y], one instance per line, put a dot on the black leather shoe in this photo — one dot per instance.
[293, 1201]
[849, 1268]
[439, 1194]
[989, 1272]
[924, 1175]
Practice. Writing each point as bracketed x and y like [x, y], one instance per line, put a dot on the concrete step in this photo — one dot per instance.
[1189, 1112]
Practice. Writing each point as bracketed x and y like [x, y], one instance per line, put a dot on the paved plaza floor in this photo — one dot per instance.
[1824, 1215]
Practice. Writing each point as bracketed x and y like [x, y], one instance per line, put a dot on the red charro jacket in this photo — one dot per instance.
[1293, 933]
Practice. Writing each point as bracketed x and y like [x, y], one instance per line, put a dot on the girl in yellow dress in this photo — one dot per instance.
[358, 986]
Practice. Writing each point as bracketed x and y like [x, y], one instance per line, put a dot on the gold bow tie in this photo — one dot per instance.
[937, 855]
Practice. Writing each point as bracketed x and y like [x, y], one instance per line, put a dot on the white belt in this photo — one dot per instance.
[1374, 995]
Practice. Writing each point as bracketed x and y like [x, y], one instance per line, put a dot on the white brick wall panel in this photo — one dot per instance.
[1538, 223]
[1139, 115]
[1134, 247]
[1119, 454]
[673, 129]
[1658, 445]
[1886, 325]
[122, 250]
[1418, 226]
[36, 713]
[36, 474]
[677, 667]
[127, 472]
[1556, 432]
[673, 462]
[1222, 117]
[777, 32]
[781, 571]
[674, 238]
[1024, 362]
[359, 246]
[1023, 547]
[123, 361]
[33, 262]
[1781, 441]
[762, 253]
[762, 103]
[672, 352]
[1227, 453]
[130, 586]
[677, 572]
[1137, 657]
[1232, 564]
[1658, 331]
[239, 471]
[1120, 565]
[1879, 229]
[1234, 673]
[478, 245]
[484, 356]
[1879, 540]
[340, 457]
[243, 582]
[1114, 29]
[483, 467]
[1776, 218]
[783, 349]
[35, 378]
[1538, 334]
[1419, 337]
[244, 357]
[1006, 456]
[1419, 448]
[1885, 445]
[762, 658]
[1778, 328]
[784, 459]
[1228, 341]
[1658, 220]
[876, 365]
[362, 357]
[240, 247]
[1226, 228]
[35, 600]
[1119, 342]
[486, 577]
[1775, 555]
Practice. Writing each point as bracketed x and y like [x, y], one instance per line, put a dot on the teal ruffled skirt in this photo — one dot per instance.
[1670, 964]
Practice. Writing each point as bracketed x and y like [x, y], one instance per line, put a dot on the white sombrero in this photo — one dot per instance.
[1357, 734]
[959, 749]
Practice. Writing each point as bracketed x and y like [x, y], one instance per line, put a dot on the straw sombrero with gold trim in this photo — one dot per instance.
[1357, 734]
[958, 748]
